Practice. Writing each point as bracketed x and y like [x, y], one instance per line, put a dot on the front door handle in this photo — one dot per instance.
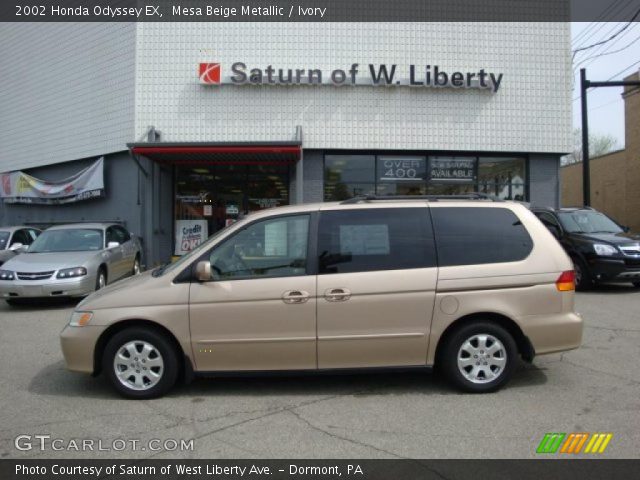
[295, 296]
[337, 295]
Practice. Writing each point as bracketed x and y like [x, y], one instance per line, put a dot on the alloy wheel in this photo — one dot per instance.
[482, 358]
[138, 365]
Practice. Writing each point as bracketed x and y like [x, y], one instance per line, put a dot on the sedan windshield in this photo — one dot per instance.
[588, 222]
[68, 240]
[4, 238]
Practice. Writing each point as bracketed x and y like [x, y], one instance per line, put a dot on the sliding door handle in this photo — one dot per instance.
[295, 296]
[337, 295]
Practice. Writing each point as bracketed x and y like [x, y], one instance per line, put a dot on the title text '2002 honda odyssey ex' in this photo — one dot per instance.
[466, 286]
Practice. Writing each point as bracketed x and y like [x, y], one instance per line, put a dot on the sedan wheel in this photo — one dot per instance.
[136, 267]
[101, 281]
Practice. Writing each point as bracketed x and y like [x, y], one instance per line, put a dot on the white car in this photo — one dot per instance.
[15, 240]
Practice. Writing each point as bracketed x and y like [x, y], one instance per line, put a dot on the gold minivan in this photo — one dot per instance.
[467, 286]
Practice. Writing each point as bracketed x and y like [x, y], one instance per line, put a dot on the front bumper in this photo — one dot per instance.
[51, 287]
[553, 333]
[78, 346]
[614, 270]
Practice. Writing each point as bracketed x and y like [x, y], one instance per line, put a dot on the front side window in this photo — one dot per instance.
[374, 239]
[275, 247]
[21, 236]
[476, 235]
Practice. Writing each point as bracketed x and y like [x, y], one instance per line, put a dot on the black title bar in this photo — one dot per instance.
[316, 10]
[353, 469]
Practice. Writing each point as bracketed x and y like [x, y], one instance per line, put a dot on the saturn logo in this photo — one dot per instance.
[209, 73]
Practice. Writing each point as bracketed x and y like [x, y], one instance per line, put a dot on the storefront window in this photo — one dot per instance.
[503, 177]
[210, 197]
[347, 176]
[401, 175]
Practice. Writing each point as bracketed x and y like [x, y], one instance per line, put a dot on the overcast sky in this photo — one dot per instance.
[605, 105]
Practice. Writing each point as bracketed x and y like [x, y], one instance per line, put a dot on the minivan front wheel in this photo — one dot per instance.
[479, 357]
[140, 363]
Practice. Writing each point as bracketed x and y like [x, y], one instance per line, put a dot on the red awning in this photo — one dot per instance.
[202, 153]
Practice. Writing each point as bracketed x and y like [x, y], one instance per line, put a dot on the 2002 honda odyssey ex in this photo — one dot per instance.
[467, 286]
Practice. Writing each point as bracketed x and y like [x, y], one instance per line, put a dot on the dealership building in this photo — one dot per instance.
[178, 129]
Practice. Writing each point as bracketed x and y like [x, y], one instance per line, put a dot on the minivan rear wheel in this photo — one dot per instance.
[479, 357]
[140, 363]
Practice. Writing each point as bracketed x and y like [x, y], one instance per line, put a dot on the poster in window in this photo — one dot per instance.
[190, 234]
[452, 169]
[364, 240]
[399, 169]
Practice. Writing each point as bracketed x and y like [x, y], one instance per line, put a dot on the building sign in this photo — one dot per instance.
[402, 168]
[190, 234]
[20, 187]
[452, 169]
[388, 75]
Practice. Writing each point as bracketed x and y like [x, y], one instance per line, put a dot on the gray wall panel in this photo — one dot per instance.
[544, 175]
[67, 91]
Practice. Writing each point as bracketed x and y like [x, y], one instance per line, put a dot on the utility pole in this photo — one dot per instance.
[584, 85]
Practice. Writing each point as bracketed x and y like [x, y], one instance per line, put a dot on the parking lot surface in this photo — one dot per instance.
[593, 389]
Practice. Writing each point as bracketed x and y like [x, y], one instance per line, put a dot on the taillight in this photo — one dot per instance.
[566, 281]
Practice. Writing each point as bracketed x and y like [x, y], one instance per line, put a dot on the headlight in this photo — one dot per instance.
[80, 319]
[72, 272]
[604, 249]
[7, 275]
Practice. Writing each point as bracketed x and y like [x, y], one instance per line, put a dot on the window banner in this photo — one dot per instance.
[20, 187]
[190, 234]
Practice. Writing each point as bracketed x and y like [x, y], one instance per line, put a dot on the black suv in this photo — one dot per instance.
[601, 250]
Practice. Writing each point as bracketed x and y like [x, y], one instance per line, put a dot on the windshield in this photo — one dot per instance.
[68, 240]
[192, 254]
[588, 222]
[4, 238]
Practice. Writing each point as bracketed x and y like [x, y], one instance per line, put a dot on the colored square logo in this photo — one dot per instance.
[209, 73]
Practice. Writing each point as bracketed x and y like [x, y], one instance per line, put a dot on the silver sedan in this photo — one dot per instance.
[71, 261]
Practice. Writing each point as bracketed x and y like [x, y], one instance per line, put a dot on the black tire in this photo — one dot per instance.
[101, 272]
[164, 347]
[584, 280]
[11, 302]
[135, 270]
[448, 357]
[636, 284]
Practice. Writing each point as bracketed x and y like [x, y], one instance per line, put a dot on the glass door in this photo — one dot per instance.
[211, 197]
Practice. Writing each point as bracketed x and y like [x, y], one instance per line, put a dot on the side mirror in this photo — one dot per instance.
[113, 244]
[203, 271]
[625, 229]
[18, 247]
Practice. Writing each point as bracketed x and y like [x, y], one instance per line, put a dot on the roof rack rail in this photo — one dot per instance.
[431, 198]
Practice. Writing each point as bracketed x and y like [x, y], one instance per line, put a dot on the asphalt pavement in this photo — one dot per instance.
[593, 389]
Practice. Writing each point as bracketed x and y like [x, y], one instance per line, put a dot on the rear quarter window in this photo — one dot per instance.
[474, 236]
